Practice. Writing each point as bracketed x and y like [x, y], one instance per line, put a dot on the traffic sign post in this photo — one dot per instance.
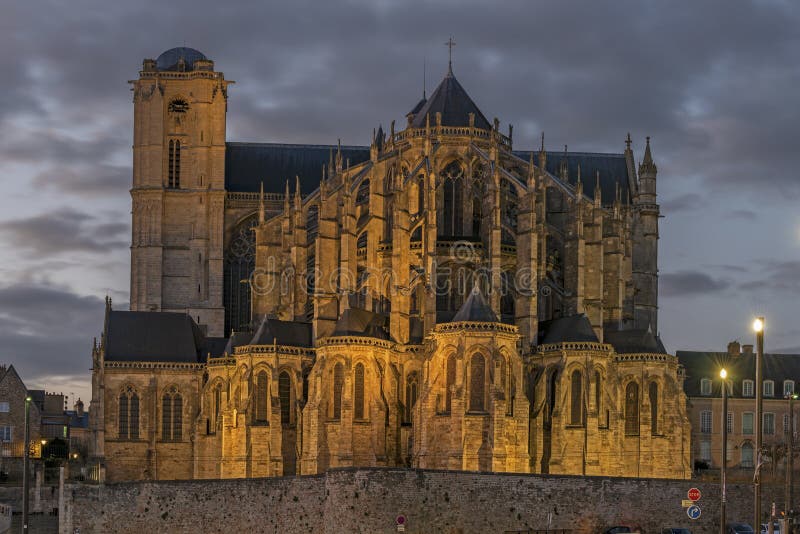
[693, 511]
[401, 523]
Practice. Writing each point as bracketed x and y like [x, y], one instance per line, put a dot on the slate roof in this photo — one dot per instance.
[363, 323]
[214, 346]
[575, 328]
[612, 167]
[168, 60]
[237, 339]
[153, 337]
[248, 164]
[452, 101]
[418, 107]
[699, 365]
[631, 341]
[476, 309]
[289, 333]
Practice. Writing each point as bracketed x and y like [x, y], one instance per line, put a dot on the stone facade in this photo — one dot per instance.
[447, 302]
[371, 500]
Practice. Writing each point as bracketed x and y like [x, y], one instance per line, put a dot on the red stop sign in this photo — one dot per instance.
[693, 494]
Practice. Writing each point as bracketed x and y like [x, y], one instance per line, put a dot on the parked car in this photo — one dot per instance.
[776, 528]
[739, 528]
[676, 530]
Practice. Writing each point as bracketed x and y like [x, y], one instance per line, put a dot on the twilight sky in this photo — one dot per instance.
[714, 83]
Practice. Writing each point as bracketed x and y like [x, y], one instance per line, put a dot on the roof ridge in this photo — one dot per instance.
[293, 145]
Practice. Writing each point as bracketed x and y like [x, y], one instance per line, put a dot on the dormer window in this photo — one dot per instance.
[705, 387]
[788, 387]
[747, 388]
[178, 105]
[769, 388]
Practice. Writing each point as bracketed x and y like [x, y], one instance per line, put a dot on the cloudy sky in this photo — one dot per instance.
[714, 83]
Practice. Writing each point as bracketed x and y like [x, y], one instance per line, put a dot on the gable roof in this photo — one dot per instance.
[452, 101]
[153, 337]
[249, 164]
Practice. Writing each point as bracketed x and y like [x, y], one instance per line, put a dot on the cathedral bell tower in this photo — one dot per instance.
[178, 191]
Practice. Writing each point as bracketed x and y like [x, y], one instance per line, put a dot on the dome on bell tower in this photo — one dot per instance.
[172, 59]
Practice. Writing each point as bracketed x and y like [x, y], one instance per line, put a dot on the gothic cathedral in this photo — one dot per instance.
[437, 299]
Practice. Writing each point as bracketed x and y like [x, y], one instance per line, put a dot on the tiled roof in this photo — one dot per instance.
[289, 333]
[153, 337]
[358, 322]
[575, 328]
[452, 101]
[475, 308]
[248, 164]
[612, 168]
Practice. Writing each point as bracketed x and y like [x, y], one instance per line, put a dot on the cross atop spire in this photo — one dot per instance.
[450, 44]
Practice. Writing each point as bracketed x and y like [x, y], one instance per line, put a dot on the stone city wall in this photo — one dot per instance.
[370, 500]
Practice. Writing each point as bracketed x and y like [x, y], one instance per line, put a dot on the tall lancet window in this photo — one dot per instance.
[576, 402]
[338, 386]
[477, 395]
[451, 221]
[632, 409]
[358, 393]
[174, 164]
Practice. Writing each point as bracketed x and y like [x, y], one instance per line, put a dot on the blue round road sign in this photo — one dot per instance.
[693, 512]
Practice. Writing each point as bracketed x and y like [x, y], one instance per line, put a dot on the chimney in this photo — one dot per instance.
[734, 349]
[79, 408]
[747, 350]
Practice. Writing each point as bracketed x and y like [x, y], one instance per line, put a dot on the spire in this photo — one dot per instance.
[339, 156]
[450, 44]
[286, 197]
[598, 192]
[579, 185]
[297, 196]
[542, 155]
[262, 216]
[628, 142]
[647, 165]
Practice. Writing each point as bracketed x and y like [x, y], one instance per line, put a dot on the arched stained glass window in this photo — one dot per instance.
[171, 415]
[576, 399]
[653, 392]
[358, 393]
[632, 409]
[451, 220]
[477, 393]
[285, 395]
[450, 381]
[338, 387]
[262, 397]
[238, 268]
[128, 413]
[412, 390]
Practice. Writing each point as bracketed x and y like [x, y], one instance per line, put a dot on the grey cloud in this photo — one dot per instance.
[690, 284]
[685, 202]
[49, 332]
[745, 215]
[89, 181]
[777, 278]
[65, 230]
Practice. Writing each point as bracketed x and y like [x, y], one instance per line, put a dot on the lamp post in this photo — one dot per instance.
[723, 374]
[25, 456]
[790, 457]
[758, 327]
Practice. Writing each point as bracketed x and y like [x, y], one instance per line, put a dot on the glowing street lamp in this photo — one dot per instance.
[758, 328]
[723, 374]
